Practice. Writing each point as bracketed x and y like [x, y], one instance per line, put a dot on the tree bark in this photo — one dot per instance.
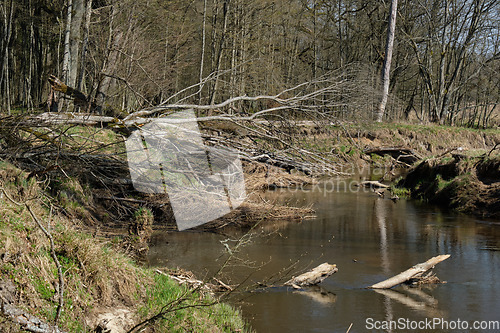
[67, 48]
[203, 43]
[314, 276]
[386, 71]
[74, 41]
[413, 272]
[225, 9]
[88, 15]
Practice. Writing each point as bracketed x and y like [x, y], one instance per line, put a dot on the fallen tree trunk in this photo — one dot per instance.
[313, 277]
[406, 155]
[411, 273]
[372, 184]
[69, 118]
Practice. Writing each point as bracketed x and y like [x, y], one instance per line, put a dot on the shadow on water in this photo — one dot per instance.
[370, 239]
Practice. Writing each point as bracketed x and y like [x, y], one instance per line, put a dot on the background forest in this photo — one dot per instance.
[127, 55]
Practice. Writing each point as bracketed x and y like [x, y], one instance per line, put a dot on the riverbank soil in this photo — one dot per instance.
[470, 184]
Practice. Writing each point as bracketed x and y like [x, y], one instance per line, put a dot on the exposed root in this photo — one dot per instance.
[428, 278]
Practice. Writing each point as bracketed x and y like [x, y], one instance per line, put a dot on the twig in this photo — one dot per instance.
[56, 261]
[173, 306]
[492, 149]
[10, 198]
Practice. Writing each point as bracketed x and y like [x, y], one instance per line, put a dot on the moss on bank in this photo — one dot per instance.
[98, 279]
[470, 184]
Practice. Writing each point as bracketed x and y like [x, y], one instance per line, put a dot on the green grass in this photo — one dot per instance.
[400, 192]
[195, 312]
[96, 275]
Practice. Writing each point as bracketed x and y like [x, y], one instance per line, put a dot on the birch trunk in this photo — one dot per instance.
[67, 48]
[386, 71]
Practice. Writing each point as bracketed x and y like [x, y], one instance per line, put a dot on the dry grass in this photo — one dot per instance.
[260, 177]
[94, 275]
[97, 278]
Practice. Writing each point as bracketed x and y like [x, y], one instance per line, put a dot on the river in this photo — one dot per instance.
[369, 239]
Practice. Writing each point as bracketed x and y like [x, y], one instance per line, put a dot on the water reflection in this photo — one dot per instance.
[415, 300]
[380, 216]
[370, 239]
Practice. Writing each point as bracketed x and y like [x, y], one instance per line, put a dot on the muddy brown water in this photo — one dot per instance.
[369, 239]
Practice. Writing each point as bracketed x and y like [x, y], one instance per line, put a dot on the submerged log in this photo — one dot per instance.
[318, 294]
[313, 277]
[411, 273]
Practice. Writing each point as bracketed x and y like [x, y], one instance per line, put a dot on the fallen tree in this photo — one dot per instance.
[268, 135]
[400, 154]
[412, 273]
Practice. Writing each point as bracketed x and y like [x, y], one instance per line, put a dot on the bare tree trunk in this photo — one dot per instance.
[75, 39]
[386, 70]
[88, 15]
[28, 79]
[111, 62]
[221, 48]
[7, 82]
[314, 41]
[67, 49]
[442, 64]
[4, 76]
[203, 43]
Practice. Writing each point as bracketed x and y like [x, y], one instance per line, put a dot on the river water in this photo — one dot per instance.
[369, 239]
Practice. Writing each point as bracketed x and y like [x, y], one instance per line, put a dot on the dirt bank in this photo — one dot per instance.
[470, 184]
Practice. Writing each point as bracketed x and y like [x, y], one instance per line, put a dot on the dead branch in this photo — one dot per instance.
[373, 184]
[492, 149]
[411, 273]
[320, 96]
[80, 98]
[406, 155]
[313, 277]
[56, 261]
